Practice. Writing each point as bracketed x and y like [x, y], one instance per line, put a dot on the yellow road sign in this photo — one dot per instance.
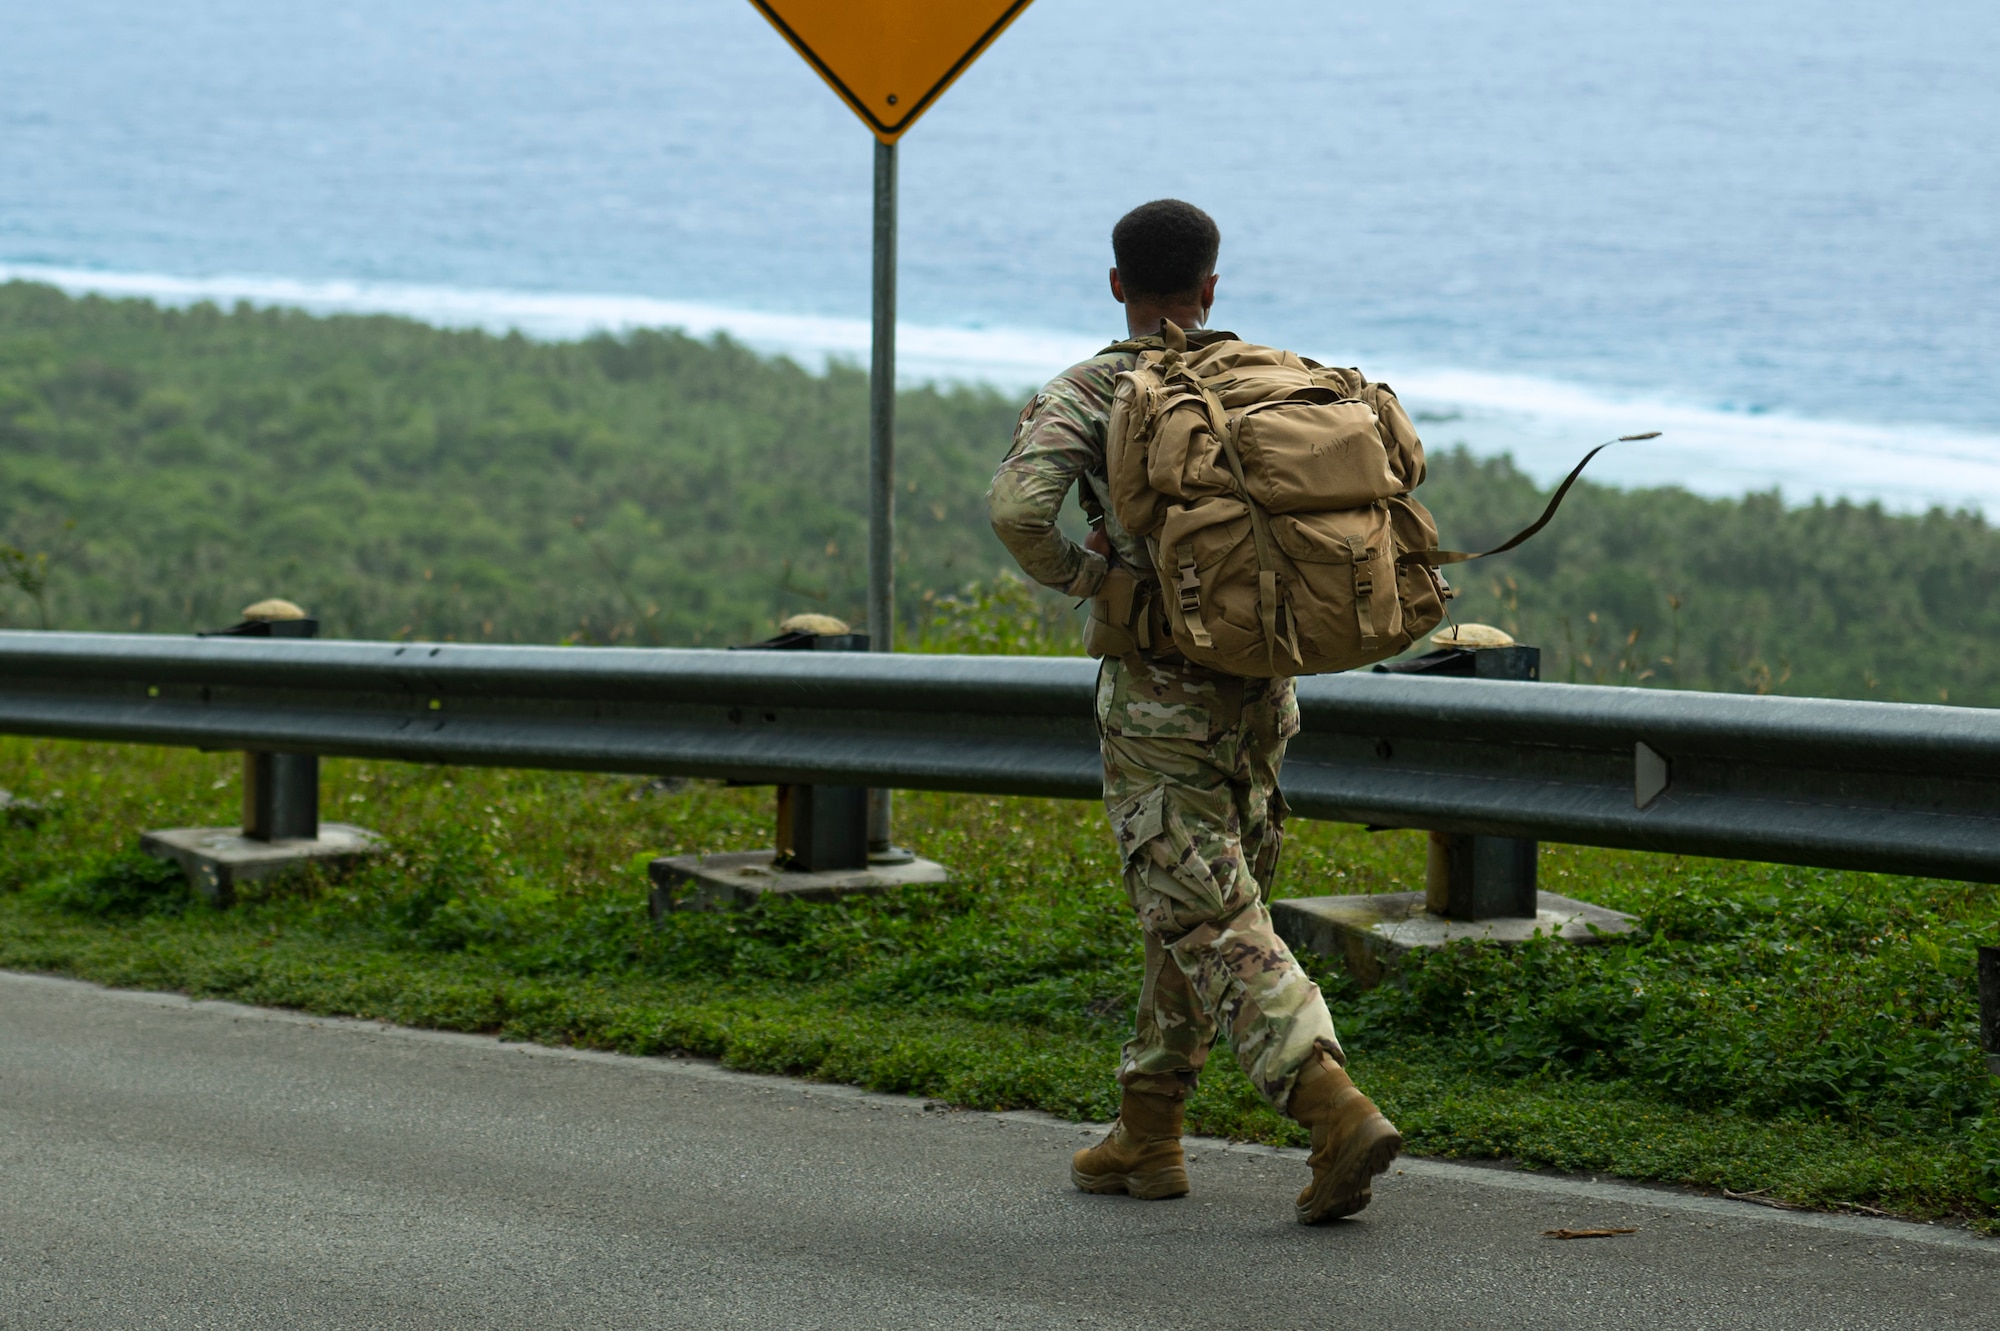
[890, 59]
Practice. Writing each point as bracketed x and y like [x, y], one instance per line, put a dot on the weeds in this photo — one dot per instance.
[123, 886]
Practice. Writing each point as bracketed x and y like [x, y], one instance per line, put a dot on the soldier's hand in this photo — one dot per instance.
[1098, 543]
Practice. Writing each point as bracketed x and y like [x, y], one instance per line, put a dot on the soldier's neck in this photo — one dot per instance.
[1146, 322]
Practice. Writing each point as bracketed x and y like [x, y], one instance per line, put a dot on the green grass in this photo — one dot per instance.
[1807, 1034]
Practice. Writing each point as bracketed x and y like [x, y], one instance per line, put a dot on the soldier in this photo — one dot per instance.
[1191, 762]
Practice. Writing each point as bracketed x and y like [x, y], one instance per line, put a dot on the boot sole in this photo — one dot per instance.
[1352, 1187]
[1153, 1186]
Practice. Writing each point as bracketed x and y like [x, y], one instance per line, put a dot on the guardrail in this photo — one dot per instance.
[994, 724]
[1894, 787]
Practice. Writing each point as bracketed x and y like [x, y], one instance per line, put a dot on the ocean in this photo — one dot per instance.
[1767, 229]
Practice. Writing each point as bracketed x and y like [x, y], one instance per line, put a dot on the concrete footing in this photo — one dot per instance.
[1371, 934]
[216, 859]
[724, 882]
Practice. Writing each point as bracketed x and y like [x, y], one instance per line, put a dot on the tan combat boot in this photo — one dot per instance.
[1351, 1141]
[1141, 1155]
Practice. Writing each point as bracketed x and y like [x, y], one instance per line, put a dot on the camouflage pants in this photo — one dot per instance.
[1191, 764]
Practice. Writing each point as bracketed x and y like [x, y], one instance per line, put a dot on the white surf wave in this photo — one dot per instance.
[1548, 425]
[1544, 424]
[1009, 358]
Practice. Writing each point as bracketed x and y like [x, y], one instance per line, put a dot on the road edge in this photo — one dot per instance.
[1661, 1196]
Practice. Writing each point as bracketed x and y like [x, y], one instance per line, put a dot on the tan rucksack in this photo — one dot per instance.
[1273, 494]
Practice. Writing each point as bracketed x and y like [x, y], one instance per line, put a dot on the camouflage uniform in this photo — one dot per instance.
[1059, 441]
[1191, 761]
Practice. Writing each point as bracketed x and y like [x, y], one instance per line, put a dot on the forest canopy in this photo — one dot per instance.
[160, 468]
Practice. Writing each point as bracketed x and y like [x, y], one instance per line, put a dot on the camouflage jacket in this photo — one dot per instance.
[1058, 442]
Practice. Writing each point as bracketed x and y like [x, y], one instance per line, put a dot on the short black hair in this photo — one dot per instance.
[1165, 248]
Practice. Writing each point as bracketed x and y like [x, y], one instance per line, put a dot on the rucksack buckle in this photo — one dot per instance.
[1189, 587]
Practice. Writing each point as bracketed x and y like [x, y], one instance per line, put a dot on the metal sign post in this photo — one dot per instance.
[889, 60]
[882, 413]
[882, 473]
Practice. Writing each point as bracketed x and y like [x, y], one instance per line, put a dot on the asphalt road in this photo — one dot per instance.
[174, 1164]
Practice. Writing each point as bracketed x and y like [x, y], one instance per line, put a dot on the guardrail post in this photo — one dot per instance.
[1475, 887]
[1989, 1006]
[281, 796]
[281, 829]
[822, 828]
[1478, 877]
[826, 835]
[280, 790]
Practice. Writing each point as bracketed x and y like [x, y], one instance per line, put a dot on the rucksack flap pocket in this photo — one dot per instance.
[1206, 560]
[1331, 537]
[1301, 455]
[1399, 435]
[1411, 524]
[1183, 456]
[1344, 596]
[1416, 586]
[1423, 608]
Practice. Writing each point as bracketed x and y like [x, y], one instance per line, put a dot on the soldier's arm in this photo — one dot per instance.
[1060, 436]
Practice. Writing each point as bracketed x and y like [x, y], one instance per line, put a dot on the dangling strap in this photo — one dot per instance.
[1289, 625]
[1434, 558]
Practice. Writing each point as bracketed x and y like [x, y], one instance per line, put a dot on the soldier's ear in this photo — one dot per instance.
[1208, 293]
[1117, 288]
